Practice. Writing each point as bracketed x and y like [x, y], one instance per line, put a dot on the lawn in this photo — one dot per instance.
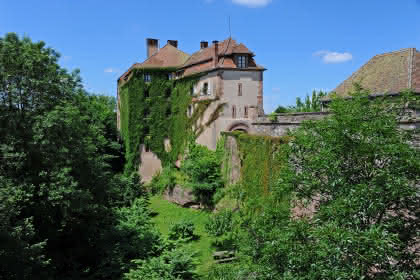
[168, 213]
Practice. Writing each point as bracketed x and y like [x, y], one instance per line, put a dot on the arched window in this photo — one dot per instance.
[246, 112]
[233, 112]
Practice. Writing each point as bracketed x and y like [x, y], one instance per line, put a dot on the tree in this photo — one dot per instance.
[311, 104]
[60, 193]
[360, 172]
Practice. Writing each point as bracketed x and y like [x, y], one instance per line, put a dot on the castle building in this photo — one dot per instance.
[228, 75]
[233, 81]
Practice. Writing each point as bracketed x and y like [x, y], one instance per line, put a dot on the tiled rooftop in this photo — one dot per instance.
[387, 73]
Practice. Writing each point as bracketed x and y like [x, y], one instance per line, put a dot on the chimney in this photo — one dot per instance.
[216, 53]
[152, 46]
[173, 43]
[204, 44]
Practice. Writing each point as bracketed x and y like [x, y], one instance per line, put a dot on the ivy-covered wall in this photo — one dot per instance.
[261, 159]
[151, 112]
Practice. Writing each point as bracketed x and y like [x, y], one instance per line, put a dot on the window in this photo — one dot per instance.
[192, 91]
[246, 112]
[233, 112]
[170, 76]
[147, 77]
[242, 61]
[205, 89]
[239, 89]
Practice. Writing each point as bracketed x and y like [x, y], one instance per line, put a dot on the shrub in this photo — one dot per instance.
[220, 223]
[221, 226]
[182, 230]
[177, 264]
[203, 169]
[164, 180]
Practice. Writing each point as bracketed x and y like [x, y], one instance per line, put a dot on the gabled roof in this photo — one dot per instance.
[387, 73]
[168, 56]
[226, 47]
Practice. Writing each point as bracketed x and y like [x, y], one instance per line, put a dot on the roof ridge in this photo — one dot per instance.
[167, 44]
[394, 52]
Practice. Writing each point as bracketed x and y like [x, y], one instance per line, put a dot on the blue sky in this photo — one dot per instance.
[304, 44]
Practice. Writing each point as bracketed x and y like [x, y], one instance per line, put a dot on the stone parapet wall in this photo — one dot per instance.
[266, 125]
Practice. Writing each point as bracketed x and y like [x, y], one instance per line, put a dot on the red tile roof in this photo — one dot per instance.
[226, 47]
[168, 56]
[200, 61]
[387, 73]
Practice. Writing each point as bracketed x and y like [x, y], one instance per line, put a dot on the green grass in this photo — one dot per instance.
[168, 213]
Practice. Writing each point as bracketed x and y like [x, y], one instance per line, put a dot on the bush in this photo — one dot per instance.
[203, 169]
[220, 223]
[164, 180]
[221, 226]
[182, 230]
[177, 264]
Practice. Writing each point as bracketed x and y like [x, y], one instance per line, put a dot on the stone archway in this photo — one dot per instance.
[239, 126]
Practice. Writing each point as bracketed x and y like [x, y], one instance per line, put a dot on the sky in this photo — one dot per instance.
[304, 44]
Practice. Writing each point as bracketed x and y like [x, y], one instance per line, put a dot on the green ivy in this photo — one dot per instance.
[262, 160]
[154, 111]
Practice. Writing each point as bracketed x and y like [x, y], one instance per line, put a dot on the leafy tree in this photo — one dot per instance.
[312, 103]
[281, 109]
[61, 198]
[359, 171]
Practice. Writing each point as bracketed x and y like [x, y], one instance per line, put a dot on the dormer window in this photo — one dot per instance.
[147, 78]
[242, 61]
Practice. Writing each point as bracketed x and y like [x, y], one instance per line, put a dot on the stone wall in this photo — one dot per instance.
[283, 123]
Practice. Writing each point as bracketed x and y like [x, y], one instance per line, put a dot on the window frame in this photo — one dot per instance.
[147, 77]
[242, 61]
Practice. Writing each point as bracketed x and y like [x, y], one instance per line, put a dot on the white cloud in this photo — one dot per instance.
[111, 70]
[252, 3]
[334, 57]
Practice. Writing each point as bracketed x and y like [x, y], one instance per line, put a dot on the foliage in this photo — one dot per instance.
[281, 110]
[166, 213]
[310, 104]
[263, 159]
[183, 229]
[155, 111]
[359, 171]
[272, 117]
[65, 210]
[220, 223]
[222, 226]
[203, 168]
[166, 179]
[173, 264]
